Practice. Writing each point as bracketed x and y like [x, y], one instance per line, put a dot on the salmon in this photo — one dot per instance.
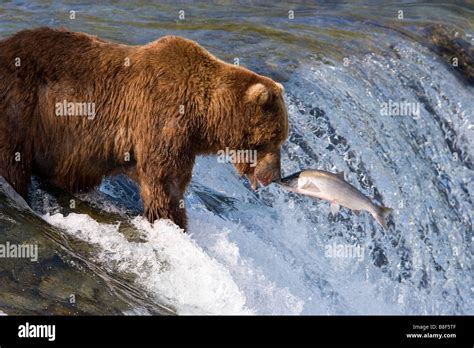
[334, 189]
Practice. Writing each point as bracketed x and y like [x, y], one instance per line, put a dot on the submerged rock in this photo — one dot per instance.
[60, 281]
[456, 51]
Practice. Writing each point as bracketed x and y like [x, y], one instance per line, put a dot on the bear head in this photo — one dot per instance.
[258, 124]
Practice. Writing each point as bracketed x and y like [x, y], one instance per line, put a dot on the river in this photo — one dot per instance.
[342, 65]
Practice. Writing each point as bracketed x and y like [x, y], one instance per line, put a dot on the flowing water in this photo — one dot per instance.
[268, 252]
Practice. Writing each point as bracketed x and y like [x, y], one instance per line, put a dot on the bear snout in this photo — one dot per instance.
[268, 168]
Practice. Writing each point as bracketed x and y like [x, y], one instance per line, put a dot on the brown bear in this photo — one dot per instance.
[74, 108]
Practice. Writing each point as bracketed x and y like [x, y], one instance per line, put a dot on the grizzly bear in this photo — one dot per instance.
[75, 108]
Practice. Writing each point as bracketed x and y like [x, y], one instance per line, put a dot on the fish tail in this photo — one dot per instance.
[381, 214]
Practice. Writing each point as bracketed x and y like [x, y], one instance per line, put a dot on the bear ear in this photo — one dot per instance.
[258, 93]
[280, 87]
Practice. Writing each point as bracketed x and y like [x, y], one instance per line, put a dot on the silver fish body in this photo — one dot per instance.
[333, 188]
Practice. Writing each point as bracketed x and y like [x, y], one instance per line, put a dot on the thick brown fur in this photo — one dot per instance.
[139, 127]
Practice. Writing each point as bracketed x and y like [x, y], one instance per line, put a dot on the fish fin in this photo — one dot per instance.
[384, 211]
[357, 212]
[334, 208]
[308, 185]
[340, 175]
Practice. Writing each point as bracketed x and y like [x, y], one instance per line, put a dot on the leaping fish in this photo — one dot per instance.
[333, 188]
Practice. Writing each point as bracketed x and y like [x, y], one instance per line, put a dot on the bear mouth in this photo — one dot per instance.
[261, 180]
[265, 179]
[262, 175]
[252, 180]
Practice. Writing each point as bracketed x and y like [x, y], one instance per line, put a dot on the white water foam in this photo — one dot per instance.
[169, 264]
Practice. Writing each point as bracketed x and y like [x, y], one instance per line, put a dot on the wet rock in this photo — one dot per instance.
[60, 282]
[457, 52]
